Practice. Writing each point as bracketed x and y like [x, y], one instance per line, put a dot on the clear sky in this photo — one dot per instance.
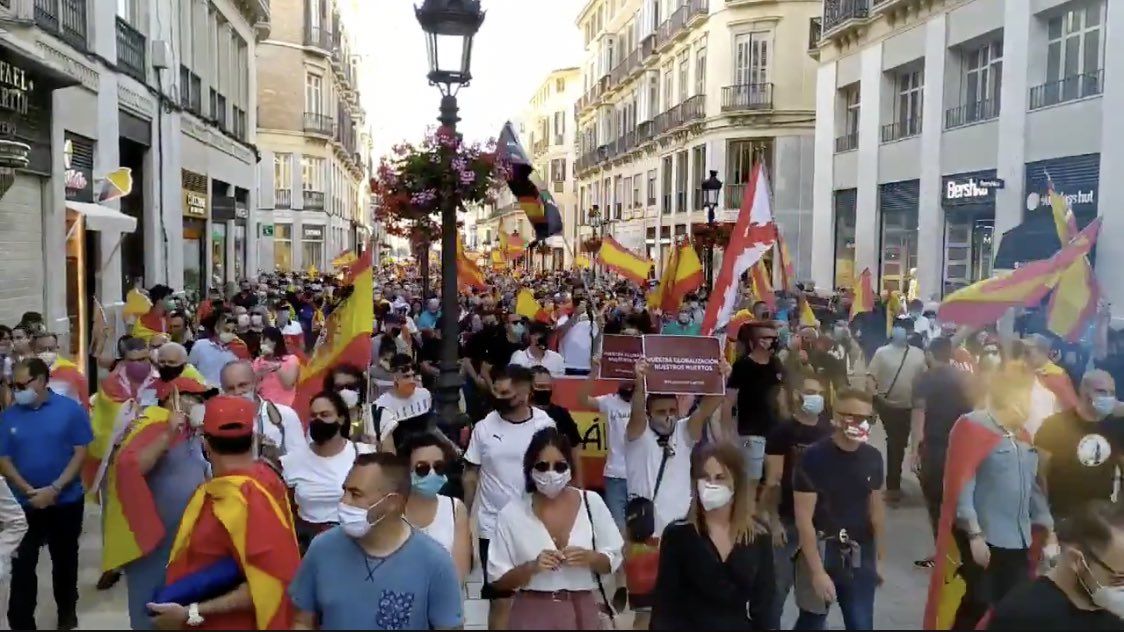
[519, 43]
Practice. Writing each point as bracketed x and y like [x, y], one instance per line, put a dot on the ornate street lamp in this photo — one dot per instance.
[710, 189]
[450, 26]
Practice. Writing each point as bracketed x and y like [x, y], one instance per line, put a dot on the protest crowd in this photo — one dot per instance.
[629, 449]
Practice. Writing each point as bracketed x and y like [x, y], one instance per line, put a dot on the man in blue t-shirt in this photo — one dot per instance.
[375, 571]
[43, 439]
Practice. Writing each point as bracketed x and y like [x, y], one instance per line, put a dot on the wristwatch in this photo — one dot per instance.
[194, 619]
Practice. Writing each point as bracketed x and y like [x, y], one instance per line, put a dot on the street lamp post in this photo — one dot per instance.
[595, 224]
[449, 26]
[710, 188]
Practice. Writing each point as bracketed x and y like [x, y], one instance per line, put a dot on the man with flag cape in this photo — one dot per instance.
[152, 474]
[155, 320]
[241, 520]
[533, 198]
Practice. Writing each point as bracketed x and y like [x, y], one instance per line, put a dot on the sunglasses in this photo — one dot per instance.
[22, 385]
[422, 469]
[558, 466]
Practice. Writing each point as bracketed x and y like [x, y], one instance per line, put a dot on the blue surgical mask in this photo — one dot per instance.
[518, 329]
[898, 336]
[1104, 404]
[25, 396]
[428, 485]
[813, 404]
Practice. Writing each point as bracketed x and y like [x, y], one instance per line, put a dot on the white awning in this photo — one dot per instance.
[104, 218]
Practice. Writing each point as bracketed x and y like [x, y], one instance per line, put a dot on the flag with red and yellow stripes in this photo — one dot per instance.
[623, 261]
[1074, 300]
[469, 273]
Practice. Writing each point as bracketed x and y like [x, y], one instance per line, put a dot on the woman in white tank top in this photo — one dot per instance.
[442, 518]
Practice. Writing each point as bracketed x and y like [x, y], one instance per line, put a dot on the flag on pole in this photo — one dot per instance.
[984, 302]
[760, 286]
[1074, 300]
[469, 273]
[656, 297]
[533, 198]
[753, 235]
[893, 309]
[581, 262]
[528, 307]
[788, 276]
[682, 274]
[623, 261]
[863, 299]
[346, 335]
[807, 316]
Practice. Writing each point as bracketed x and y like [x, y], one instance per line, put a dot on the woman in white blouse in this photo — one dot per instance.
[442, 518]
[552, 544]
[315, 476]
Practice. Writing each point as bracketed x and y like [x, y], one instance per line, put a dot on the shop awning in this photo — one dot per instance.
[103, 218]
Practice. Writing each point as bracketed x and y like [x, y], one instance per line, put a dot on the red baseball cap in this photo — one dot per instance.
[229, 416]
[184, 384]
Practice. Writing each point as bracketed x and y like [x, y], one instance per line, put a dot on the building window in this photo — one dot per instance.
[698, 159]
[983, 78]
[653, 96]
[751, 58]
[636, 201]
[845, 238]
[558, 170]
[312, 173]
[681, 182]
[313, 93]
[559, 128]
[618, 196]
[668, 79]
[559, 86]
[907, 106]
[665, 205]
[1074, 56]
[312, 246]
[700, 71]
[741, 156]
[652, 187]
[684, 85]
[283, 247]
[849, 138]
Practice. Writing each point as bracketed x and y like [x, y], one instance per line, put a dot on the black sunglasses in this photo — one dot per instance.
[422, 469]
[557, 466]
[23, 385]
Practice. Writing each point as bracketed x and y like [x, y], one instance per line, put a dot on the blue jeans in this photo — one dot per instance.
[616, 497]
[753, 449]
[854, 592]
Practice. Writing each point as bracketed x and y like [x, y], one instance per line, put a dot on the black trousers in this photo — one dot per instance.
[985, 587]
[896, 421]
[932, 484]
[59, 527]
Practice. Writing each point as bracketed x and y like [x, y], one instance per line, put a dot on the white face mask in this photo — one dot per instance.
[550, 483]
[226, 337]
[267, 348]
[714, 495]
[1111, 598]
[354, 521]
[48, 357]
[195, 415]
[350, 397]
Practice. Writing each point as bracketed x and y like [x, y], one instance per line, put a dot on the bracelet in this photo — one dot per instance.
[972, 535]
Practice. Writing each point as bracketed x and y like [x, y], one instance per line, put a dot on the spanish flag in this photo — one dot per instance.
[623, 261]
[660, 295]
[136, 304]
[984, 302]
[498, 260]
[512, 246]
[469, 273]
[528, 307]
[113, 409]
[1074, 300]
[788, 276]
[345, 337]
[68, 373]
[133, 529]
[863, 299]
[260, 527]
[760, 285]
[149, 325]
[581, 262]
[807, 316]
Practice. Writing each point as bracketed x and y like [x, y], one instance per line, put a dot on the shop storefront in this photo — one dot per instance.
[845, 203]
[196, 211]
[897, 206]
[312, 246]
[283, 247]
[81, 244]
[968, 200]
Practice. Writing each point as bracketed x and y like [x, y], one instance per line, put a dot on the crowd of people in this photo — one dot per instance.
[227, 500]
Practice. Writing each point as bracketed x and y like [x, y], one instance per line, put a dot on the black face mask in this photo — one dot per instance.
[625, 392]
[169, 373]
[542, 396]
[322, 431]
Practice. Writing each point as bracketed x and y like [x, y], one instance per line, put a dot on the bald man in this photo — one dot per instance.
[277, 428]
[171, 362]
[1081, 447]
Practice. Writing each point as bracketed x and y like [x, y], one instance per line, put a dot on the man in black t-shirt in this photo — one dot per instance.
[1081, 448]
[1083, 591]
[783, 449]
[754, 387]
[542, 394]
[838, 503]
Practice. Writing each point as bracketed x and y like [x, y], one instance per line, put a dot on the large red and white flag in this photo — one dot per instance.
[754, 234]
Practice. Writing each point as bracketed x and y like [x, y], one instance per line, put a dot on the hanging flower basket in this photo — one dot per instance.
[592, 245]
[410, 183]
[705, 236]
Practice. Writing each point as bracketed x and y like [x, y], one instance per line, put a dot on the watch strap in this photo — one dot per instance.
[194, 619]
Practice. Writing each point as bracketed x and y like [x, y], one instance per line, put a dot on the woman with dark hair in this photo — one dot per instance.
[716, 567]
[350, 383]
[315, 476]
[441, 517]
[276, 368]
[552, 545]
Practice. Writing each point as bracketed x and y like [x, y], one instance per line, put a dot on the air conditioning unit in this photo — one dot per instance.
[161, 55]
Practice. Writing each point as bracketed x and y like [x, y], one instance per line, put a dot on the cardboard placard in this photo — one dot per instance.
[684, 365]
[619, 355]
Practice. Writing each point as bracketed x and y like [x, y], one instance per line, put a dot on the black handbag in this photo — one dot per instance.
[640, 512]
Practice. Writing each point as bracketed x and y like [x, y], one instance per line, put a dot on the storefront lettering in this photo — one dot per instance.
[1071, 199]
[194, 204]
[971, 189]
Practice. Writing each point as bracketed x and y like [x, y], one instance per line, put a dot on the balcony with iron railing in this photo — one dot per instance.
[645, 132]
[693, 109]
[671, 27]
[669, 120]
[969, 113]
[839, 12]
[847, 142]
[318, 37]
[747, 96]
[1070, 88]
[312, 200]
[65, 19]
[903, 128]
[282, 198]
[316, 123]
[697, 9]
[130, 50]
[628, 65]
